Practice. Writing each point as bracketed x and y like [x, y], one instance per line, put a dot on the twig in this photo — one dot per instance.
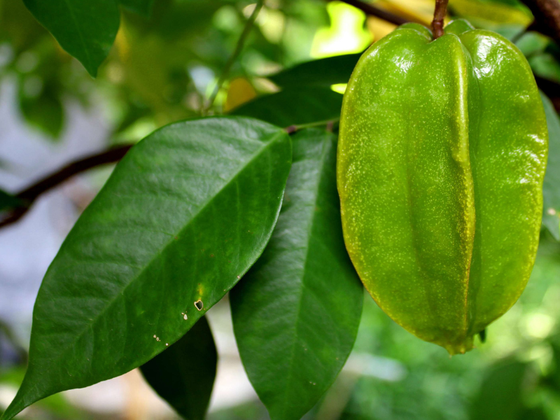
[439, 15]
[30, 194]
[238, 48]
[547, 17]
[370, 9]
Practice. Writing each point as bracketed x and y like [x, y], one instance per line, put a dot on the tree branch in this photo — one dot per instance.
[238, 48]
[547, 17]
[30, 194]
[370, 9]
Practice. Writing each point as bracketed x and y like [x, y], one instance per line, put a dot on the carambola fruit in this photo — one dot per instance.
[441, 158]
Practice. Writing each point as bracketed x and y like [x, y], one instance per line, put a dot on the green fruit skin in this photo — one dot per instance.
[442, 153]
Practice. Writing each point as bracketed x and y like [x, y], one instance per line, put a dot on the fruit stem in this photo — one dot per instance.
[439, 14]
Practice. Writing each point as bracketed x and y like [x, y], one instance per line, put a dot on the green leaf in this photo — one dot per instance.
[545, 65]
[183, 216]
[85, 29]
[8, 201]
[183, 375]
[294, 106]
[142, 7]
[551, 185]
[44, 111]
[296, 313]
[532, 43]
[323, 72]
[500, 395]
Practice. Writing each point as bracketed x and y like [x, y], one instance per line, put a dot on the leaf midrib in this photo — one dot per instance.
[304, 270]
[81, 36]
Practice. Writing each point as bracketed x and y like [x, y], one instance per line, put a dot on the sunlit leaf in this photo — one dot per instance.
[240, 91]
[551, 186]
[294, 106]
[296, 313]
[183, 375]
[85, 29]
[183, 216]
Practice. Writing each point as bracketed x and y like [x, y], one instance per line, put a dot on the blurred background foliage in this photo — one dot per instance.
[164, 67]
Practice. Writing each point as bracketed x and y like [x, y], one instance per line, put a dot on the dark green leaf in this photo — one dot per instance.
[183, 216]
[183, 375]
[8, 201]
[142, 7]
[85, 29]
[44, 111]
[551, 186]
[500, 396]
[294, 106]
[296, 313]
[323, 72]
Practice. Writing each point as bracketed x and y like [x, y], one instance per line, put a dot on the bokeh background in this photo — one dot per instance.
[164, 68]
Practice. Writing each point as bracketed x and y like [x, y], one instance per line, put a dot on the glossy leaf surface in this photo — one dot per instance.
[183, 216]
[551, 186]
[294, 106]
[183, 375]
[296, 313]
[85, 29]
[323, 72]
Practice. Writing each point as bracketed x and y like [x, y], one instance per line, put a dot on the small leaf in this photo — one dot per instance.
[183, 216]
[85, 29]
[142, 7]
[44, 111]
[183, 375]
[294, 106]
[8, 201]
[323, 72]
[551, 186]
[296, 313]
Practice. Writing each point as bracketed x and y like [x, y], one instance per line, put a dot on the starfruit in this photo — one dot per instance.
[442, 152]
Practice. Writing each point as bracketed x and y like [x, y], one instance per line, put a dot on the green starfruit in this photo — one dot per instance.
[442, 152]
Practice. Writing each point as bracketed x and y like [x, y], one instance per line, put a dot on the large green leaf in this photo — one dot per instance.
[86, 29]
[296, 313]
[183, 216]
[322, 72]
[551, 186]
[294, 106]
[142, 7]
[184, 374]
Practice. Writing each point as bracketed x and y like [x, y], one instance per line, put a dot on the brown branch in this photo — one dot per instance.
[372, 10]
[30, 194]
[439, 15]
[547, 17]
